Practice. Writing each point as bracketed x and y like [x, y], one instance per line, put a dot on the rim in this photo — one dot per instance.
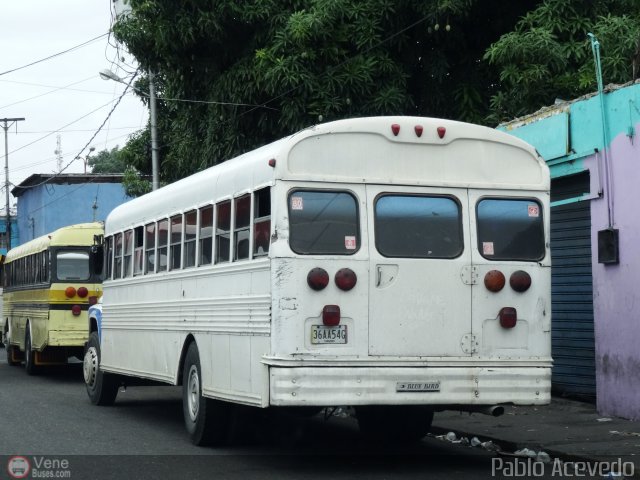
[90, 366]
[193, 393]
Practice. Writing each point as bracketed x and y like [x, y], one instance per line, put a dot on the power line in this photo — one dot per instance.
[55, 54]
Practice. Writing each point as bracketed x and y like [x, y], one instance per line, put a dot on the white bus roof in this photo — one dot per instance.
[359, 150]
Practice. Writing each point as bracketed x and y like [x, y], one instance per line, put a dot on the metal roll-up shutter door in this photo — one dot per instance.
[572, 343]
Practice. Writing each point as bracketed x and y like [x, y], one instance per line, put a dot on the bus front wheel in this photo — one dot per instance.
[394, 424]
[102, 388]
[208, 421]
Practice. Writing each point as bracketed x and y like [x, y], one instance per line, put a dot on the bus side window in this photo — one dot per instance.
[223, 230]
[206, 233]
[150, 257]
[241, 227]
[176, 242]
[138, 245]
[108, 257]
[128, 252]
[163, 240]
[190, 228]
[261, 222]
[117, 264]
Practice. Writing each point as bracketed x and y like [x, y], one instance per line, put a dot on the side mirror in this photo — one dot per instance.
[97, 258]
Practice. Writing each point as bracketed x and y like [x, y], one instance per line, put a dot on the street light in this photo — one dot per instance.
[155, 161]
[86, 158]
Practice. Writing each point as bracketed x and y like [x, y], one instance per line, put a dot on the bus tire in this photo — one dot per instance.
[102, 387]
[394, 424]
[207, 421]
[29, 355]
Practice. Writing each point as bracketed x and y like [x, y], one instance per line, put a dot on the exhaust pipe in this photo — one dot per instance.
[491, 410]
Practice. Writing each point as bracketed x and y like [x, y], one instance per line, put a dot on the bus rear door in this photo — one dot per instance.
[420, 293]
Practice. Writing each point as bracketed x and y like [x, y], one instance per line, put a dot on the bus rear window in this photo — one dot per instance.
[416, 226]
[510, 229]
[323, 223]
[72, 265]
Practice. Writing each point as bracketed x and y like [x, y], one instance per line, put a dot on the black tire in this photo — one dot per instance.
[102, 387]
[207, 421]
[394, 424]
[29, 355]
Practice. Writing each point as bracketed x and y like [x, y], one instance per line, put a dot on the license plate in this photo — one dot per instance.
[321, 334]
[418, 386]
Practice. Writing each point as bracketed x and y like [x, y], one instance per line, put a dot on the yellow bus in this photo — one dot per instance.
[49, 284]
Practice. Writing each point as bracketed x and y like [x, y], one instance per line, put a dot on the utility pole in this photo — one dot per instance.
[6, 124]
[153, 122]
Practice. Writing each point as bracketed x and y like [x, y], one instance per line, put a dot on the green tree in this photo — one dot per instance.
[268, 68]
[548, 54]
[107, 161]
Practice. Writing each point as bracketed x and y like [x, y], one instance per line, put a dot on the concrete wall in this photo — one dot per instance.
[45, 208]
[614, 196]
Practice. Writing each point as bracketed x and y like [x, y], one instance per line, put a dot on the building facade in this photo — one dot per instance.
[47, 202]
[592, 147]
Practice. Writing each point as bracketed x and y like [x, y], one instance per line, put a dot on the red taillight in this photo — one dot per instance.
[346, 279]
[520, 281]
[70, 292]
[395, 128]
[441, 131]
[508, 317]
[93, 300]
[331, 315]
[83, 292]
[318, 278]
[76, 310]
[419, 129]
[494, 280]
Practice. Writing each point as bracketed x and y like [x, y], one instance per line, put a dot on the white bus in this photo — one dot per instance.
[397, 265]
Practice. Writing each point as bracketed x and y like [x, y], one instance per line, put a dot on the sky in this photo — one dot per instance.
[63, 95]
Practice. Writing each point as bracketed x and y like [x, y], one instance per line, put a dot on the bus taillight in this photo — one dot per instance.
[76, 310]
[317, 278]
[70, 292]
[494, 280]
[83, 292]
[93, 300]
[508, 317]
[520, 281]
[331, 315]
[346, 279]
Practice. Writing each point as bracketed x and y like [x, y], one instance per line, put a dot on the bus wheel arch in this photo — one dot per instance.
[208, 421]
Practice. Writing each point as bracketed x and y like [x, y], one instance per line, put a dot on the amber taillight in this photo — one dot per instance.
[494, 280]
[70, 292]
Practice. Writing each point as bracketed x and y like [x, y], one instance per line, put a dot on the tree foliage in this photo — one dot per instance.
[235, 75]
[548, 54]
[107, 161]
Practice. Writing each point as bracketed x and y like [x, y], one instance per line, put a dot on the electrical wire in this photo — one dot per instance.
[55, 54]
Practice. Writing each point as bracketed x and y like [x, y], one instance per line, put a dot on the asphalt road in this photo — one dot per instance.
[48, 420]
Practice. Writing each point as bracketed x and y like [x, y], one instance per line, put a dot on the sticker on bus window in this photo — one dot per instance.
[350, 242]
[534, 211]
[487, 248]
[296, 203]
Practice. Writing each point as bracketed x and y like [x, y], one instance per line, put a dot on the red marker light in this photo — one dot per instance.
[76, 310]
[93, 300]
[441, 131]
[346, 279]
[331, 315]
[395, 128]
[520, 281]
[508, 317]
[317, 278]
[83, 292]
[272, 162]
[419, 129]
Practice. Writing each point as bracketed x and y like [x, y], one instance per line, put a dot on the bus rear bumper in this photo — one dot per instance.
[67, 338]
[332, 386]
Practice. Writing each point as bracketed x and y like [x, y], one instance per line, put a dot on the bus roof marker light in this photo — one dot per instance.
[70, 292]
[272, 162]
[520, 281]
[395, 128]
[331, 315]
[346, 279]
[419, 129]
[508, 317]
[317, 278]
[494, 280]
[441, 131]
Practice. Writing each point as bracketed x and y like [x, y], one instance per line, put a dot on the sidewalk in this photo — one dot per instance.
[566, 429]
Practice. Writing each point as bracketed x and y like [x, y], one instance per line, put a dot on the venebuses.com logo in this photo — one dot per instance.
[18, 467]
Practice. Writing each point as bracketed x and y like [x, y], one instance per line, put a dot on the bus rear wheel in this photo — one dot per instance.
[208, 421]
[29, 355]
[102, 388]
[394, 424]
